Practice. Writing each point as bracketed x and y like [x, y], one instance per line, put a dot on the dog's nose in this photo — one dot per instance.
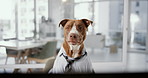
[73, 35]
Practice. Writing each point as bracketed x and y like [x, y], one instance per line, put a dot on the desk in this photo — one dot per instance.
[19, 46]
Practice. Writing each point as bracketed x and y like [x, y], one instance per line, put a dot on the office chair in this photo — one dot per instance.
[48, 52]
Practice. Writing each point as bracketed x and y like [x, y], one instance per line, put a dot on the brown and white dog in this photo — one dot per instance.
[72, 57]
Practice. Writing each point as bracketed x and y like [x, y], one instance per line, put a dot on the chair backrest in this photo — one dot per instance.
[49, 65]
[49, 50]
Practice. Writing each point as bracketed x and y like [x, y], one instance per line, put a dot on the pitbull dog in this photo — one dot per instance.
[72, 57]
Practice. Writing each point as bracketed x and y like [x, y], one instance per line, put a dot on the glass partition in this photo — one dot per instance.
[137, 34]
[107, 28]
[104, 38]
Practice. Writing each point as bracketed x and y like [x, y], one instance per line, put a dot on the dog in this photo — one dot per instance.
[72, 57]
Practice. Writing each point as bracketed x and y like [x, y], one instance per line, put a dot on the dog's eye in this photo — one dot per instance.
[67, 27]
[80, 27]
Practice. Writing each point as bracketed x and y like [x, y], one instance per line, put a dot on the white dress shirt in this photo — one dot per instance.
[83, 65]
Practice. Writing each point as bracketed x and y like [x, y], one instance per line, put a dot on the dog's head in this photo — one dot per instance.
[75, 30]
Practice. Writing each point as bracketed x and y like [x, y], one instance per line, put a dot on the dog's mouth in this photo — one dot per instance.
[72, 42]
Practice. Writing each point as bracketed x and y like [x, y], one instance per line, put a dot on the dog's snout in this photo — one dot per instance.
[73, 35]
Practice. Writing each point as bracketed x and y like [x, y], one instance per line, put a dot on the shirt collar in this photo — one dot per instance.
[64, 52]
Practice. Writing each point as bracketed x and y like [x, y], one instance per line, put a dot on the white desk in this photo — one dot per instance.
[22, 45]
[19, 46]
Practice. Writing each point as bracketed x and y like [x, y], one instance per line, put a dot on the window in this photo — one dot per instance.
[137, 12]
[23, 16]
[137, 4]
[7, 19]
[138, 24]
[107, 18]
[25, 27]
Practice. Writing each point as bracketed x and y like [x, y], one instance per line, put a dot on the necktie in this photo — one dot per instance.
[68, 67]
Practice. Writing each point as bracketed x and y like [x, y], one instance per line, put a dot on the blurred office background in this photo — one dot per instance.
[21, 20]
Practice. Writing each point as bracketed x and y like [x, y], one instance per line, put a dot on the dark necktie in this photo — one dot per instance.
[68, 67]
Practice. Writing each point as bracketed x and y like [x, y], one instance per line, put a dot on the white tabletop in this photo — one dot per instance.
[21, 45]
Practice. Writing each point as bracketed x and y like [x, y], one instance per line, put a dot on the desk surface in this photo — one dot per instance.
[21, 45]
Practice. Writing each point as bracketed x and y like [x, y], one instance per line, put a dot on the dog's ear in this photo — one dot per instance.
[87, 22]
[63, 22]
